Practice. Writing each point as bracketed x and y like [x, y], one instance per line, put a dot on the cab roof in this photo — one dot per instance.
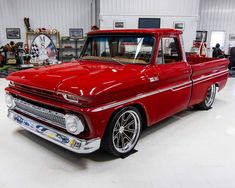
[135, 31]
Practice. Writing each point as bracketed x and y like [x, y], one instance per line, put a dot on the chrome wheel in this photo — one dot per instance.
[210, 96]
[126, 131]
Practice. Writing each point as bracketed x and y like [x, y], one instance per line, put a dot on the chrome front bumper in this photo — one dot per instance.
[62, 139]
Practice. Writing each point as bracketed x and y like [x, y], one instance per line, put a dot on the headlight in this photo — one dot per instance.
[73, 124]
[9, 101]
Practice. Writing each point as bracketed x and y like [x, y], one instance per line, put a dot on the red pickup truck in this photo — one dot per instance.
[123, 81]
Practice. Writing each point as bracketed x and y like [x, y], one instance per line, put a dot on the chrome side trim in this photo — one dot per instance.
[140, 96]
[210, 76]
[177, 89]
[173, 88]
[57, 137]
[206, 78]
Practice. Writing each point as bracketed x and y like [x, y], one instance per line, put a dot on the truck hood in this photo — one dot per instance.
[93, 82]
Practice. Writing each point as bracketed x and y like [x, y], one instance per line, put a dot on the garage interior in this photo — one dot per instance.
[190, 149]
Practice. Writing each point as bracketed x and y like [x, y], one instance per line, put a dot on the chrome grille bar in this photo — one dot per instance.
[40, 113]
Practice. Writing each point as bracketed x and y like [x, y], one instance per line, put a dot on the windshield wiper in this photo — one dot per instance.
[117, 61]
[96, 59]
[86, 58]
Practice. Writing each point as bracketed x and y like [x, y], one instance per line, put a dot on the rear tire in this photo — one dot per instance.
[209, 99]
[123, 132]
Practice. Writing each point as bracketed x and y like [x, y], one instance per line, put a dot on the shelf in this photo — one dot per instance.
[67, 49]
[75, 48]
[68, 41]
[67, 57]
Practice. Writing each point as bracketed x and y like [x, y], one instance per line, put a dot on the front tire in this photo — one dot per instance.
[123, 131]
[209, 99]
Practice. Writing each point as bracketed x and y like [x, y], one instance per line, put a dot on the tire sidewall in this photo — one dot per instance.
[110, 128]
[204, 105]
[213, 100]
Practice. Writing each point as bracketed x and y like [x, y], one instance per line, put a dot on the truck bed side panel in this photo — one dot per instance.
[205, 73]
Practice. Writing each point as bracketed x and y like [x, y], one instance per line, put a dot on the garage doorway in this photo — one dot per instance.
[217, 37]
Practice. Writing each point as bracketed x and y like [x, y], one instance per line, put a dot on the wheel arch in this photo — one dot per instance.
[217, 86]
[203, 104]
[106, 143]
[143, 114]
[209, 85]
[139, 107]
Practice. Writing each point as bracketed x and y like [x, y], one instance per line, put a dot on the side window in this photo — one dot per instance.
[168, 51]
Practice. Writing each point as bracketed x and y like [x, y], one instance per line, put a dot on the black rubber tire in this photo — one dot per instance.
[204, 105]
[107, 141]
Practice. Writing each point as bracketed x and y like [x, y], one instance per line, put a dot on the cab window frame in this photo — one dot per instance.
[178, 47]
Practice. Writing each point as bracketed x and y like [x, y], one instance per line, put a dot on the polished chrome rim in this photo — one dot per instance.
[126, 131]
[210, 95]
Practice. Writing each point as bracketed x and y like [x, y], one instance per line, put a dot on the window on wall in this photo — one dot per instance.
[168, 51]
[217, 37]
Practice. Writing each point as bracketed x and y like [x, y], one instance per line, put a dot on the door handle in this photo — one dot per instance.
[154, 79]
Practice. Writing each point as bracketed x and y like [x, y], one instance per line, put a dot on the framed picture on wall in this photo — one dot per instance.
[76, 33]
[118, 24]
[13, 33]
[179, 25]
[231, 37]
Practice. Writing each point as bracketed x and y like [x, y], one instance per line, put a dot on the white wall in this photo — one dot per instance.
[65, 14]
[59, 14]
[217, 15]
[168, 10]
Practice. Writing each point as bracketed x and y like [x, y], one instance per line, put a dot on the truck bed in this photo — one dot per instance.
[206, 71]
[197, 60]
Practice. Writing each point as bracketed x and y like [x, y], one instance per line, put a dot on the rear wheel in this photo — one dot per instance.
[209, 99]
[123, 132]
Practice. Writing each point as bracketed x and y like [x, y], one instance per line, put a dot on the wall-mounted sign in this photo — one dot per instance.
[13, 33]
[179, 25]
[231, 37]
[43, 49]
[231, 41]
[118, 24]
[76, 33]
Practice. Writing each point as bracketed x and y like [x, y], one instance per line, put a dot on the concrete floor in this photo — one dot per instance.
[194, 149]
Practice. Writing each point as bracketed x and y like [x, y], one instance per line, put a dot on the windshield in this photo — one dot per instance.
[119, 49]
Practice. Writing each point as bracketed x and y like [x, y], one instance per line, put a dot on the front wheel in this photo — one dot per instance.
[209, 99]
[123, 132]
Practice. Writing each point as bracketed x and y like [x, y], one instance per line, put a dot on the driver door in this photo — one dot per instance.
[174, 74]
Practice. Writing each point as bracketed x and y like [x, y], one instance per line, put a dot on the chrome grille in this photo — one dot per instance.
[40, 113]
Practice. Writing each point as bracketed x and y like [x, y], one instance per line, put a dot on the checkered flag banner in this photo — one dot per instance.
[34, 51]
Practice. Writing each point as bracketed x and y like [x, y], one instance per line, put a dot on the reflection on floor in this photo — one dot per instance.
[190, 149]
